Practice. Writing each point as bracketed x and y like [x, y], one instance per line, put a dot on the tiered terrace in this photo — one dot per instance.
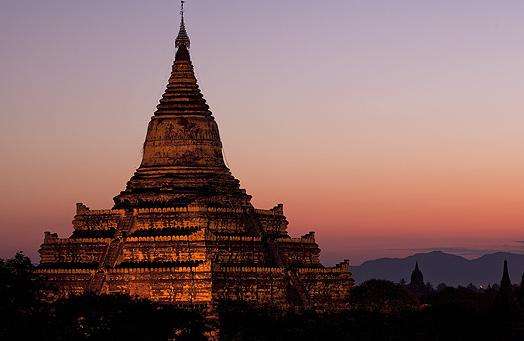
[184, 232]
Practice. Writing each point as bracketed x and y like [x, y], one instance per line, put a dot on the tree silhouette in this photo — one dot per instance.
[382, 296]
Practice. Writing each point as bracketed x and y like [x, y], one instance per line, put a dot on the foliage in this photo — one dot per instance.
[380, 296]
[380, 310]
[20, 308]
[26, 316]
[246, 322]
[118, 317]
[451, 314]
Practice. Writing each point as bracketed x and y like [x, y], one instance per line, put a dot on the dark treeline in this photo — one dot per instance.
[383, 310]
[25, 314]
[380, 310]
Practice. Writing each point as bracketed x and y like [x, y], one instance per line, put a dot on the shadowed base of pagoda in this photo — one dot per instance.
[317, 289]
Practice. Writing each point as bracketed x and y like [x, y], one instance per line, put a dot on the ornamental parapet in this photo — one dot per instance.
[192, 237]
[344, 265]
[190, 208]
[64, 271]
[275, 211]
[203, 267]
[248, 269]
[264, 212]
[296, 240]
[233, 238]
[175, 230]
[78, 241]
[278, 210]
[216, 209]
[161, 210]
[339, 268]
[106, 212]
[82, 209]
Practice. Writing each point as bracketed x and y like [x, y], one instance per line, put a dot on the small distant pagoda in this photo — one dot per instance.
[183, 231]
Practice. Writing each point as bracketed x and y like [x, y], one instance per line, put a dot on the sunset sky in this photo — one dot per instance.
[388, 127]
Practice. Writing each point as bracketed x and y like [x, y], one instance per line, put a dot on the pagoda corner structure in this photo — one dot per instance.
[184, 232]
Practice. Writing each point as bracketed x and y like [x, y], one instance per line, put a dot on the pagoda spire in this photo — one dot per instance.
[182, 95]
[183, 37]
[182, 160]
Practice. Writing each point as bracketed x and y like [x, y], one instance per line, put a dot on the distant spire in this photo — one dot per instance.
[505, 295]
[417, 278]
[183, 38]
[505, 282]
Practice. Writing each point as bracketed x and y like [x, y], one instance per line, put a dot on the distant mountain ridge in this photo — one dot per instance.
[440, 267]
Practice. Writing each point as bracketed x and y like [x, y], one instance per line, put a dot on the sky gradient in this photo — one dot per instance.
[388, 127]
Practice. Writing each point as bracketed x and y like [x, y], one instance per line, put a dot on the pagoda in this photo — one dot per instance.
[183, 231]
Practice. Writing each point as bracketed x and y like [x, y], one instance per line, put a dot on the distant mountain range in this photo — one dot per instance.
[439, 267]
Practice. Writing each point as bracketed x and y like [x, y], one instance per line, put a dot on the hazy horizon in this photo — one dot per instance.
[383, 127]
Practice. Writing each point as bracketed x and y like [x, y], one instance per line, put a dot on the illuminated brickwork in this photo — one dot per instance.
[183, 231]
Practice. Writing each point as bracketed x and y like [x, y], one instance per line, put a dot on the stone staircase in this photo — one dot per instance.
[296, 291]
[97, 282]
[126, 224]
[113, 252]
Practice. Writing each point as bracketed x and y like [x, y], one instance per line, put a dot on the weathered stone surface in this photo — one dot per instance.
[183, 231]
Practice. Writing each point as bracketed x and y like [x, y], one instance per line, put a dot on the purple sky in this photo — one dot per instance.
[386, 126]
